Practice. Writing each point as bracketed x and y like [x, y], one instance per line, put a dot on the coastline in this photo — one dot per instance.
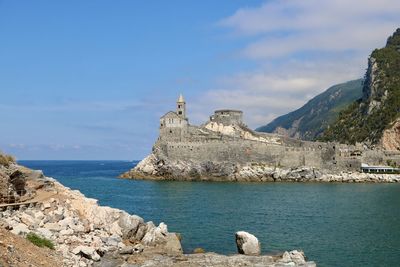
[86, 234]
[152, 168]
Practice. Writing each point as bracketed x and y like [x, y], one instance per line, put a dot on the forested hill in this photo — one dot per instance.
[309, 121]
[375, 118]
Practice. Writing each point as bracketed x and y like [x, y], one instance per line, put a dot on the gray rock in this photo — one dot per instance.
[126, 250]
[155, 235]
[45, 232]
[87, 252]
[139, 233]
[247, 243]
[112, 240]
[129, 224]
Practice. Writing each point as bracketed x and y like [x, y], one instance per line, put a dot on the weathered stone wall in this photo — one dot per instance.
[227, 117]
[247, 151]
[226, 139]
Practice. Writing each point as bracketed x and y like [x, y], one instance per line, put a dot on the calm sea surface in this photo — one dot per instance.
[335, 224]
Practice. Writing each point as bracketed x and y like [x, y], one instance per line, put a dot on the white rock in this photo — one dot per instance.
[20, 229]
[286, 257]
[28, 220]
[79, 228]
[297, 256]
[247, 243]
[155, 235]
[67, 232]
[53, 227]
[38, 215]
[45, 232]
[46, 205]
[67, 222]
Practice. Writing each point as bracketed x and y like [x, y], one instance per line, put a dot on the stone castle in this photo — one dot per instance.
[225, 138]
[224, 148]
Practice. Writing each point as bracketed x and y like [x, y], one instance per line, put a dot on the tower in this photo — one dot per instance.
[181, 107]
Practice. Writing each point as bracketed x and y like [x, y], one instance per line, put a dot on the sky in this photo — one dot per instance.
[90, 79]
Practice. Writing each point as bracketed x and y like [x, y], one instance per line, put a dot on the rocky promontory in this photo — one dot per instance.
[152, 168]
[86, 234]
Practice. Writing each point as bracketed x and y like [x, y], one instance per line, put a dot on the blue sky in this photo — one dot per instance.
[89, 79]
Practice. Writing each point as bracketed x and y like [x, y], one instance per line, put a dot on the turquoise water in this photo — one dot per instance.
[335, 224]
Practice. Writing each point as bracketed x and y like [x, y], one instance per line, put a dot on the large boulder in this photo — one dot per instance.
[18, 181]
[247, 243]
[155, 235]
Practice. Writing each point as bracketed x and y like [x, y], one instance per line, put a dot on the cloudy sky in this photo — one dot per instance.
[89, 79]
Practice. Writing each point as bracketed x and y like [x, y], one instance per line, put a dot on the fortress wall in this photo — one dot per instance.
[246, 151]
[237, 144]
[381, 157]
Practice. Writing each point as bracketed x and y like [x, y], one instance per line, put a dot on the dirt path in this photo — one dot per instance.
[40, 197]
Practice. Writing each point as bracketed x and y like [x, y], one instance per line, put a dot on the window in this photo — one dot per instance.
[180, 112]
[179, 106]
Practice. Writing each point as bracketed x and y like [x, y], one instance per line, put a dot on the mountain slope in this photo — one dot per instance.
[309, 121]
[375, 118]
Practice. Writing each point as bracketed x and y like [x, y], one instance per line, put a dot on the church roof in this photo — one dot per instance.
[180, 99]
[170, 114]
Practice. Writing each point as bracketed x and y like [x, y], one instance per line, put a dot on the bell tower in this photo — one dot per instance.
[181, 107]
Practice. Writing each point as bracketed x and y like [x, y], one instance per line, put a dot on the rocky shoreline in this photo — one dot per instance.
[152, 168]
[86, 234]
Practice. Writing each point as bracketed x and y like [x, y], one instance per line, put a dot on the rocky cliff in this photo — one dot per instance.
[374, 119]
[86, 234]
[310, 121]
[151, 168]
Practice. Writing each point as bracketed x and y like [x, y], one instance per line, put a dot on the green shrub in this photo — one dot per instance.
[39, 241]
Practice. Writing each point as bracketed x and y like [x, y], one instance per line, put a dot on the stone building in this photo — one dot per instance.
[173, 125]
[226, 139]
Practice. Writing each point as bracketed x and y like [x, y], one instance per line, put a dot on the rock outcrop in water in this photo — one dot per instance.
[149, 168]
[86, 234]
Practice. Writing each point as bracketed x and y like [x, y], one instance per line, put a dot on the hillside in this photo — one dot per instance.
[309, 121]
[375, 118]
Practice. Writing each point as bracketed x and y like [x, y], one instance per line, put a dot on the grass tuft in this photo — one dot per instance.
[6, 160]
[39, 241]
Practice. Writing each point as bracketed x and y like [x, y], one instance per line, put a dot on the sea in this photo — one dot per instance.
[334, 224]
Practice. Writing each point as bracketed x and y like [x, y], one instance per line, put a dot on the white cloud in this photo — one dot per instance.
[301, 48]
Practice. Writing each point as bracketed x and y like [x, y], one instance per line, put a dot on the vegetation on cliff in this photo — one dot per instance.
[6, 160]
[367, 118]
[309, 121]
